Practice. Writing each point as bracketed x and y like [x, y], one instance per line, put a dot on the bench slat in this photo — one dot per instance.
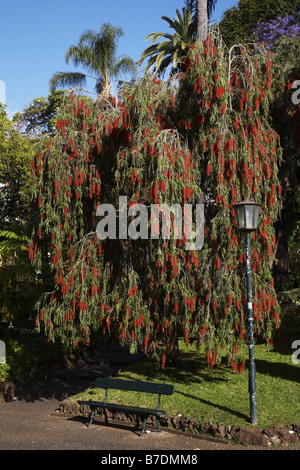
[119, 384]
[131, 409]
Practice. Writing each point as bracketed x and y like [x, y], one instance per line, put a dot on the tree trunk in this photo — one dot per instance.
[201, 20]
[172, 356]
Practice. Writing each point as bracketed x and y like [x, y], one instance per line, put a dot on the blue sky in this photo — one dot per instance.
[35, 34]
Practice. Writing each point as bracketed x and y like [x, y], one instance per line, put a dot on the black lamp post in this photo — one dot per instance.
[247, 214]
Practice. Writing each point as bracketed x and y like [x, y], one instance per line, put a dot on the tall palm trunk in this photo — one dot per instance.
[201, 20]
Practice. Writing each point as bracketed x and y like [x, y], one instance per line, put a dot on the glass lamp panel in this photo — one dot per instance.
[240, 217]
[249, 216]
[256, 217]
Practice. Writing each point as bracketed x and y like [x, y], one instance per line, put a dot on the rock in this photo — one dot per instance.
[296, 428]
[230, 431]
[219, 431]
[193, 424]
[282, 435]
[205, 426]
[68, 407]
[253, 437]
[184, 423]
[176, 422]
[120, 416]
[165, 420]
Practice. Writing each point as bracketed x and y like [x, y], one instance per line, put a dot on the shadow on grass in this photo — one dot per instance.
[276, 369]
[191, 369]
[214, 405]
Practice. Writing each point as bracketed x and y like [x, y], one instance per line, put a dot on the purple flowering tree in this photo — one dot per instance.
[269, 32]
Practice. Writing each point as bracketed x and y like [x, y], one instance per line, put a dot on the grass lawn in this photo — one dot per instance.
[219, 394]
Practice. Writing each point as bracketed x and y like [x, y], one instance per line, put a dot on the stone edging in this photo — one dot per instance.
[271, 436]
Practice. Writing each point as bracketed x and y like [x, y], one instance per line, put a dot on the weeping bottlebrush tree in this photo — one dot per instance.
[201, 138]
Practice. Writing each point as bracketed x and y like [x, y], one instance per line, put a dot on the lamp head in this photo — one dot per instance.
[247, 214]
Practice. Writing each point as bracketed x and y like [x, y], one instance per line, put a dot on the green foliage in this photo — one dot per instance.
[16, 225]
[4, 372]
[286, 118]
[238, 23]
[39, 117]
[19, 359]
[27, 350]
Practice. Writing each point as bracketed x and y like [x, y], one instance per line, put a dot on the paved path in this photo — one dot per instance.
[30, 421]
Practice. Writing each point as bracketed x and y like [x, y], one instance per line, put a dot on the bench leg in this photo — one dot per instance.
[144, 426]
[92, 417]
[105, 415]
[158, 425]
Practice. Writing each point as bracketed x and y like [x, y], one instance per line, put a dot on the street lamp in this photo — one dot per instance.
[247, 214]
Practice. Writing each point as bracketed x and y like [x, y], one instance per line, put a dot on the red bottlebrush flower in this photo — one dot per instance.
[163, 185]
[262, 151]
[187, 63]
[268, 171]
[134, 175]
[208, 355]
[208, 170]
[163, 360]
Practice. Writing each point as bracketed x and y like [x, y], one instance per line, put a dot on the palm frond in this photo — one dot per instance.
[172, 48]
[67, 79]
[96, 53]
[125, 64]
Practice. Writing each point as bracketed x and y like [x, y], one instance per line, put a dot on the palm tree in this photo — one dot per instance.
[202, 11]
[171, 51]
[96, 53]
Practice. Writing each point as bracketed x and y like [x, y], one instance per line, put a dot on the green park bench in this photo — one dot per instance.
[143, 387]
